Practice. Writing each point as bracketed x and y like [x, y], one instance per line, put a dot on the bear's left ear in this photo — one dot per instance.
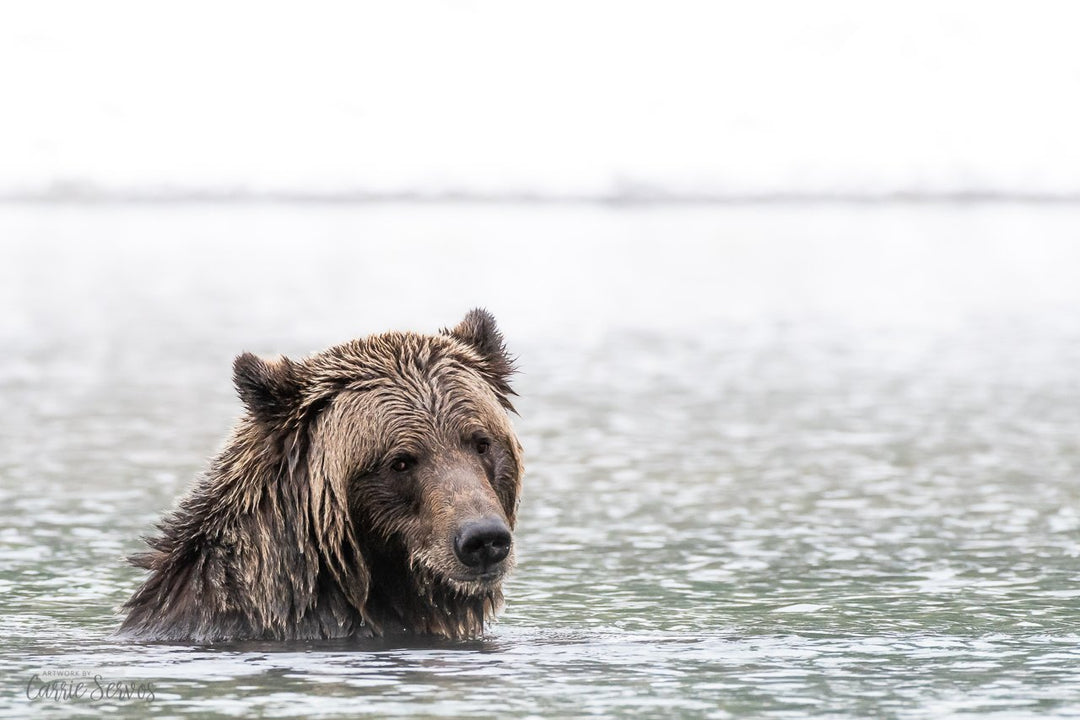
[478, 331]
[269, 390]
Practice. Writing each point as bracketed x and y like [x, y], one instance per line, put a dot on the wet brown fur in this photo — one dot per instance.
[301, 528]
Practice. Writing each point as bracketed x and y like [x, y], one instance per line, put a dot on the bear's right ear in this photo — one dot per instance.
[269, 390]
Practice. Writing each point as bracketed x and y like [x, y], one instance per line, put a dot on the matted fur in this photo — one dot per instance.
[302, 527]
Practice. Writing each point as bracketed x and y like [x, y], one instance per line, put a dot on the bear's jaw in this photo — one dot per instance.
[409, 596]
[440, 612]
[475, 599]
[431, 582]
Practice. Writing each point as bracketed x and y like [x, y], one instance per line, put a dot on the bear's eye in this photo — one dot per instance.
[401, 463]
[482, 446]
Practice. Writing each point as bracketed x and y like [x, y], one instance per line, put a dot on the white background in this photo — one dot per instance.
[552, 98]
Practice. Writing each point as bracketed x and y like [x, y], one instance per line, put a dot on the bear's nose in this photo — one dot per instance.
[482, 543]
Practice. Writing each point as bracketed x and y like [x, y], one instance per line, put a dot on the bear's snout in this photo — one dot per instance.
[482, 544]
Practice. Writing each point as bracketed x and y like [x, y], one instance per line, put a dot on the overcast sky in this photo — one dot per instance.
[560, 98]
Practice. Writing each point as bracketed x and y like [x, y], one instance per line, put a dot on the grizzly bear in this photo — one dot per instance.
[367, 490]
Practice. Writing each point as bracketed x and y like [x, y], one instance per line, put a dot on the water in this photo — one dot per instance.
[781, 462]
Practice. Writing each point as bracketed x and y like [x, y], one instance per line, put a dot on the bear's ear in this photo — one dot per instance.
[269, 390]
[478, 331]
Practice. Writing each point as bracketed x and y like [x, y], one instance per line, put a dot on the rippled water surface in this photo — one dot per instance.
[782, 462]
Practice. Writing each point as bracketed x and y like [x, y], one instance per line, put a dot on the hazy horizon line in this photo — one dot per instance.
[88, 196]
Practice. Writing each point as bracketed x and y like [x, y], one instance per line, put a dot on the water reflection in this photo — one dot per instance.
[732, 507]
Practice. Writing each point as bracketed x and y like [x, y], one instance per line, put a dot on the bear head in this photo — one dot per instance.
[369, 489]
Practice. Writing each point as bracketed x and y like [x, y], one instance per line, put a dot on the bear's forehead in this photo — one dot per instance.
[399, 379]
[410, 416]
[425, 362]
[395, 353]
[429, 372]
[441, 393]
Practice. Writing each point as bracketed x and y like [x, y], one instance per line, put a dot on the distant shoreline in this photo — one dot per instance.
[225, 197]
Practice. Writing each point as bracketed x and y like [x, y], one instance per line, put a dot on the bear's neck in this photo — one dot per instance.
[402, 601]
